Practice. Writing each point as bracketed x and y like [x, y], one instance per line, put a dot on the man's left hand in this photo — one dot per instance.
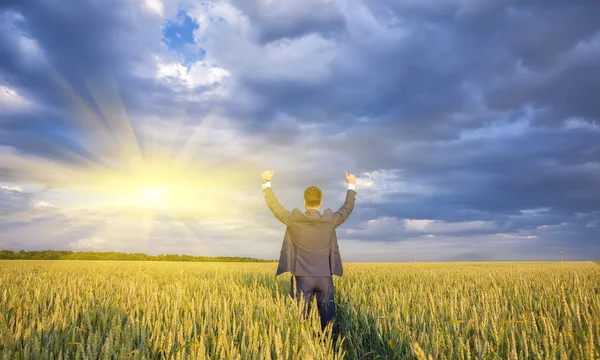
[267, 175]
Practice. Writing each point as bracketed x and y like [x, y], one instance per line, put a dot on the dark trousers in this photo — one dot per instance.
[322, 288]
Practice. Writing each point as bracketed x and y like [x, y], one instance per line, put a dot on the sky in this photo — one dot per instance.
[473, 126]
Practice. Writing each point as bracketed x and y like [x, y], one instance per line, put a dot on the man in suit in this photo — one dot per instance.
[310, 250]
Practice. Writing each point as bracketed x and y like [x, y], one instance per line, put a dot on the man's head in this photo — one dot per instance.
[313, 198]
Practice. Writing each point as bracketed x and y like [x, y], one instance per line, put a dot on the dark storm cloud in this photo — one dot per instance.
[278, 20]
[494, 179]
[88, 38]
[452, 54]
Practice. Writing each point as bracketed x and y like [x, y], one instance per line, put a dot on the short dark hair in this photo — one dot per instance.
[313, 196]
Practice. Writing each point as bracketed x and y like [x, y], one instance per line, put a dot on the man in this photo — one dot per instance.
[310, 250]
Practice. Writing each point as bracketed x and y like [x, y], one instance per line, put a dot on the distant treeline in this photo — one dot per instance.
[112, 255]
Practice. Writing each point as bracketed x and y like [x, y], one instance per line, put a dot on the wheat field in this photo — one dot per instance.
[163, 310]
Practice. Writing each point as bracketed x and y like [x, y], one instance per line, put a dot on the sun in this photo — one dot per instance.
[152, 195]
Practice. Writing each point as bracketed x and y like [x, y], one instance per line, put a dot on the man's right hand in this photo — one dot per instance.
[350, 179]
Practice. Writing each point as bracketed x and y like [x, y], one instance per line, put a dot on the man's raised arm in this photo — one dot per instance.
[276, 208]
[342, 214]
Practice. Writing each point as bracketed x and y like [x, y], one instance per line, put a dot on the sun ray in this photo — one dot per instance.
[52, 174]
[89, 122]
[76, 221]
[173, 135]
[196, 247]
[199, 243]
[188, 148]
[193, 226]
[80, 159]
[146, 227]
[39, 223]
[113, 111]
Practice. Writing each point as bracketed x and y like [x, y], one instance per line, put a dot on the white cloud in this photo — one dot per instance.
[514, 236]
[380, 226]
[89, 244]
[438, 226]
[552, 227]
[31, 48]
[386, 225]
[153, 7]
[222, 27]
[215, 11]
[11, 188]
[200, 73]
[377, 186]
[43, 205]
[11, 100]
[30, 52]
[535, 212]
[581, 123]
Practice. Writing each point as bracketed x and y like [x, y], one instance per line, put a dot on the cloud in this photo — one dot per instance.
[11, 188]
[154, 7]
[43, 204]
[13, 200]
[90, 244]
[433, 226]
[200, 73]
[393, 229]
[12, 101]
[551, 227]
[514, 236]
[276, 20]
[580, 123]
[381, 184]
[472, 126]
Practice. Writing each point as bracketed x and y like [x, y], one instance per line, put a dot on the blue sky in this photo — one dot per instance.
[178, 35]
[143, 126]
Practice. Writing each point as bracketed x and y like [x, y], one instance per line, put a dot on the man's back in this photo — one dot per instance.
[312, 230]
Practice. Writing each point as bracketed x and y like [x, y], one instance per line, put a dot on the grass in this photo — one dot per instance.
[142, 310]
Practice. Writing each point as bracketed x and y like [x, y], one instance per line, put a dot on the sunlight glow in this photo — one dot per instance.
[125, 187]
[152, 195]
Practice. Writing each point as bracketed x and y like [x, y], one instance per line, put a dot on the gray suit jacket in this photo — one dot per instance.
[310, 246]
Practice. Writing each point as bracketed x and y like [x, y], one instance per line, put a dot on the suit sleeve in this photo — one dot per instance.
[276, 208]
[342, 214]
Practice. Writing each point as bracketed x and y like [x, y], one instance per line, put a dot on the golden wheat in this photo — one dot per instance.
[151, 310]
